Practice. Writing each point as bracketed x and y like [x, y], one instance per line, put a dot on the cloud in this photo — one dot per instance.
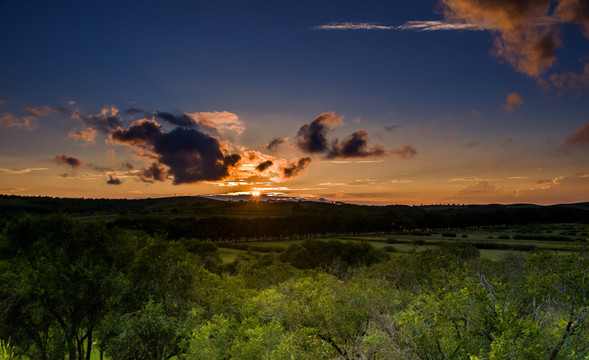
[476, 113]
[219, 121]
[312, 138]
[106, 120]
[190, 155]
[406, 152]
[355, 145]
[295, 168]
[42, 111]
[574, 11]
[391, 128]
[21, 171]
[264, 165]
[417, 25]
[571, 80]
[275, 143]
[353, 26]
[113, 180]
[482, 189]
[579, 138]
[525, 35]
[88, 135]
[27, 123]
[543, 184]
[68, 160]
[155, 172]
[435, 25]
[512, 100]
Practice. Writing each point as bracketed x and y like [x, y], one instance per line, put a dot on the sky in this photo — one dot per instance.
[368, 102]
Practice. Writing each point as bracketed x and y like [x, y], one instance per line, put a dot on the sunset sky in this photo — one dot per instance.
[370, 102]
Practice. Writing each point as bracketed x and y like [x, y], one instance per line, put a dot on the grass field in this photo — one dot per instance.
[570, 238]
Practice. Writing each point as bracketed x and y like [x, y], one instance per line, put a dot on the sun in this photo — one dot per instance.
[255, 193]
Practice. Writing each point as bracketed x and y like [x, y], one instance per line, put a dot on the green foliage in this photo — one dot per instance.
[147, 334]
[333, 254]
[67, 284]
[6, 351]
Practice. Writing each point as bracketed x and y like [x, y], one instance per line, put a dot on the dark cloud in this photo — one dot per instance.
[295, 168]
[67, 160]
[263, 166]
[312, 138]
[155, 172]
[140, 133]
[127, 166]
[136, 111]
[275, 143]
[355, 145]
[113, 181]
[103, 121]
[190, 155]
[178, 120]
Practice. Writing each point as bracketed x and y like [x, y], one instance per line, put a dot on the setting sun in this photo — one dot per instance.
[255, 193]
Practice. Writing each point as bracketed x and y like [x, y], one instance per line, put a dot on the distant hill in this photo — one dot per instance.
[193, 214]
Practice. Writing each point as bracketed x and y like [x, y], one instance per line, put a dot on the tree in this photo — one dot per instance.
[57, 284]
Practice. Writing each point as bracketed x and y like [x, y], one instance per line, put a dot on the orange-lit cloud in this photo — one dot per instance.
[27, 123]
[42, 111]
[574, 11]
[481, 191]
[219, 121]
[21, 171]
[512, 100]
[543, 184]
[88, 135]
[572, 80]
[525, 37]
[526, 31]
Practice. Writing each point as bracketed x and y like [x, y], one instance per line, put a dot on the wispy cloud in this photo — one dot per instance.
[438, 26]
[21, 171]
[415, 25]
[353, 26]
